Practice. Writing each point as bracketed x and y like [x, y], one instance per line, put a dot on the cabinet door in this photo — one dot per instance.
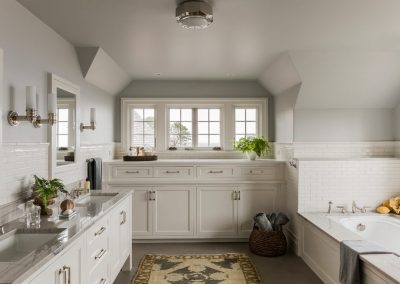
[252, 200]
[216, 211]
[174, 210]
[67, 265]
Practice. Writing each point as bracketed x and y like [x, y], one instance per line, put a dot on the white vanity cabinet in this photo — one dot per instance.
[68, 267]
[197, 199]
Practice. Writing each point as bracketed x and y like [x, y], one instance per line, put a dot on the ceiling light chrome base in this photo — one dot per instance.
[194, 14]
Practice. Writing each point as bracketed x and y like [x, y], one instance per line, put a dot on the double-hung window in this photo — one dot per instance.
[246, 122]
[142, 127]
[62, 127]
[194, 127]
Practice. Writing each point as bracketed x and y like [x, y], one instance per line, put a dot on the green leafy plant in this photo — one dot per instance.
[46, 189]
[257, 144]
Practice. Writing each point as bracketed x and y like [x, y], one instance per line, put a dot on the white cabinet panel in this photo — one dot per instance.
[174, 209]
[132, 172]
[216, 211]
[69, 265]
[174, 172]
[252, 200]
[142, 212]
[219, 172]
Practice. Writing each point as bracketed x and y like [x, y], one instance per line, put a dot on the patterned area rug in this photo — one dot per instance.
[198, 269]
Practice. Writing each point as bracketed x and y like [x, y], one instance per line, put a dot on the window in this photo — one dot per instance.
[62, 127]
[245, 122]
[194, 127]
[142, 127]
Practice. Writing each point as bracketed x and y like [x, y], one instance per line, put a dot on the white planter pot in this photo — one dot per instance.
[251, 156]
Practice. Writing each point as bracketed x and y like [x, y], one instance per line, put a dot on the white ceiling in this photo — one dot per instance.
[144, 38]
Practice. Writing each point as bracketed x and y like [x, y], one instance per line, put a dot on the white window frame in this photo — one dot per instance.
[129, 119]
[161, 114]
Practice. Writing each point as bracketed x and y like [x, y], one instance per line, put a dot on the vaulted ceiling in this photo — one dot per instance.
[142, 36]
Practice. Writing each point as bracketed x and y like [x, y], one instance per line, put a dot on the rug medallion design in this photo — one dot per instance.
[198, 269]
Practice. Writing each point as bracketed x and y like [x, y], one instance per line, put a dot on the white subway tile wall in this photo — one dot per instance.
[19, 162]
[366, 181]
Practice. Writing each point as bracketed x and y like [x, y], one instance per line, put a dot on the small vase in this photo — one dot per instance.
[251, 156]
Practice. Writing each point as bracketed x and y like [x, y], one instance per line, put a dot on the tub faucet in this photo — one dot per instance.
[330, 207]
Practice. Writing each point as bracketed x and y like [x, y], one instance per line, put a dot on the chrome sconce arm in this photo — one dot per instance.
[14, 119]
[51, 120]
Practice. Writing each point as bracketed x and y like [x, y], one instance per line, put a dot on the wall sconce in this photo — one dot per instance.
[51, 116]
[14, 119]
[92, 125]
[31, 111]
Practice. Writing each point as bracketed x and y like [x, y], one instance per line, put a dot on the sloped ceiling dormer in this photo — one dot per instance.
[101, 70]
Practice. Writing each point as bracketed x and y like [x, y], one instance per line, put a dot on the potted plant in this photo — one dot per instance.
[253, 146]
[45, 191]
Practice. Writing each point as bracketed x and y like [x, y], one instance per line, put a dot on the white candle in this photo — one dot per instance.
[92, 115]
[31, 97]
[51, 103]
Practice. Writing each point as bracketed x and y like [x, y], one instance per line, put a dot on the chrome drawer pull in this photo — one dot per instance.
[103, 281]
[67, 274]
[132, 172]
[99, 232]
[100, 255]
[238, 198]
[123, 213]
[215, 172]
[172, 172]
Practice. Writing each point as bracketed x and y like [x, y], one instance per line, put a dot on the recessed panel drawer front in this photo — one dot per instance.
[215, 172]
[100, 275]
[174, 172]
[258, 172]
[98, 231]
[132, 172]
[97, 253]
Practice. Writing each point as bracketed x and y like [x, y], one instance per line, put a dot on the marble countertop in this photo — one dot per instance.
[245, 162]
[16, 272]
[388, 264]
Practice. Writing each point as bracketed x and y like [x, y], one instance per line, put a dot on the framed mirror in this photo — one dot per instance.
[64, 135]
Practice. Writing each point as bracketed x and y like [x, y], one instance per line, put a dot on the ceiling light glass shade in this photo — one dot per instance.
[194, 15]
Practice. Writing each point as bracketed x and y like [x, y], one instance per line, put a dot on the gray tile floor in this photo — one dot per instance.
[279, 270]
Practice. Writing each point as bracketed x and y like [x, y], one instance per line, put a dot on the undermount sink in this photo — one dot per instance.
[18, 243]
[95, 198]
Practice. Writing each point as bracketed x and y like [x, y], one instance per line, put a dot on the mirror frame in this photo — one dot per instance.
[55, 82]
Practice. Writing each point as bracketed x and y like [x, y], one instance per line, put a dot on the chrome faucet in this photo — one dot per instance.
[355, 208]
[2, 230]
[342, 209]
[330, 207]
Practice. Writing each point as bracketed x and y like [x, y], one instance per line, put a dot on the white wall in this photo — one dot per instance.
[344, 125]
[31, 49]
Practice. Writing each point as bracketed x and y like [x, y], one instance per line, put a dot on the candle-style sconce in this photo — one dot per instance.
[92, 125]
[31, 110]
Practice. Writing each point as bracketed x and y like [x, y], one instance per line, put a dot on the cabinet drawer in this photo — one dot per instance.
[258, 172]
[100, 275]
[132, 172]
[174, 172]
[97, 254]
[215, 172]
[98, 231]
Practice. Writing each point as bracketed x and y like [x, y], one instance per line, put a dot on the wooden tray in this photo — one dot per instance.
[139, 158]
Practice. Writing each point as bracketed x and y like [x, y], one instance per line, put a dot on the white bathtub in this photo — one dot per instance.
[383, 230]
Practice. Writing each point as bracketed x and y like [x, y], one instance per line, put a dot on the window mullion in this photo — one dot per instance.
[194, 127]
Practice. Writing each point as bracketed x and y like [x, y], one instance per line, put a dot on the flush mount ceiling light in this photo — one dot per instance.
[194, 14]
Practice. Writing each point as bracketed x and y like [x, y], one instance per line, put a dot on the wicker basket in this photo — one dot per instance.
[267, 243]
[139, 158]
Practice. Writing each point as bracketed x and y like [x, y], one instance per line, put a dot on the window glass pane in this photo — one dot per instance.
[62, 127]
[186, 128]
[214, 127]
[174, 141]
[251, 114]
[174, 127]
[240, 114]
[137, 114]
[203, 140]
[186, 114]
[137, 140]
[149, 114]
[202, 127]
[174, 115]
[148, 141]
[186, 140]
[63, 114]
[237, 137]
[202, 114]
[240, 128]
[214, 140]
[214, 115]
[149, 127]
[138, 128]
[62, 141]
[251, 128]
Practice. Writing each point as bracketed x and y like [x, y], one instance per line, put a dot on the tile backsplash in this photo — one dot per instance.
[20, 161]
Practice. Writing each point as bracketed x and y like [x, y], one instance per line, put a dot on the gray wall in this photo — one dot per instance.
[397, 123]
[31, 49]
[188, 89]
[344, 125]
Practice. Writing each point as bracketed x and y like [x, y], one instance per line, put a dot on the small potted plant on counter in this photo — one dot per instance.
[45, 191]
[253, 146]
